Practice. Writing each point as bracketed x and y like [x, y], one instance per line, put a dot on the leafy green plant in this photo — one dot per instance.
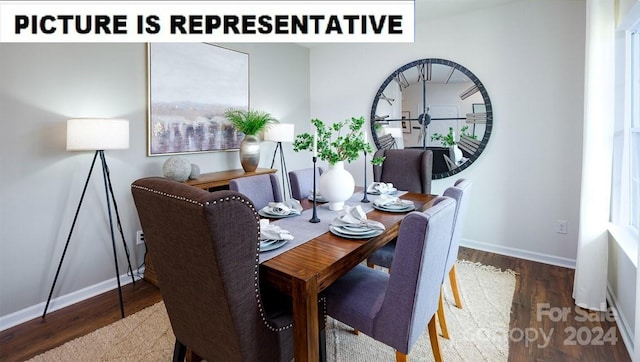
[345, 145]
[249, 121]
[448, 140]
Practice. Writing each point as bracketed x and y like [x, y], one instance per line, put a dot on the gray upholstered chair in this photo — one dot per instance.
[204, 248]
[384, 256]
[260, 189]
[408, 169]
[395, 308]
[302, 182]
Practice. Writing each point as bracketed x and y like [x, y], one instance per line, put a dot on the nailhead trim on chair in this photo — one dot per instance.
[256, 271]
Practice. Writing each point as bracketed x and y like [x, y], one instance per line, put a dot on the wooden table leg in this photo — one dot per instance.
[305, 319]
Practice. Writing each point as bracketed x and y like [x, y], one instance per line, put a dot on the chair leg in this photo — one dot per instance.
[356, 332]
[179, 352]
[192, 356]
[401, 357]
[453, 279]
[441, 316]
[370, 264]
[433, 337]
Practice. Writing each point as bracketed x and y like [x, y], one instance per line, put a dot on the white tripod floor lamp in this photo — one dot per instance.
[93, 134]
[281, 132]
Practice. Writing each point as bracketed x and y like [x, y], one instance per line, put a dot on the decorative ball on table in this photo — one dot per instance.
[195, 171]
[177, 169]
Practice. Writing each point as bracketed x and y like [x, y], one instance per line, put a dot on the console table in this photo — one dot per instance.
[211, 181]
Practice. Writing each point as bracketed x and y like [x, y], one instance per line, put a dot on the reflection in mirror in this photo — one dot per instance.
[434, 104]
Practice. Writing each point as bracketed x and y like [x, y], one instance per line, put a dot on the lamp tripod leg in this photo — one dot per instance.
[115, 207]
[285, 175]
[113, 238]
[73, 224]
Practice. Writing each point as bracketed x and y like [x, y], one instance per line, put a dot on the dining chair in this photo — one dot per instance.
[407, 169]
[260, 189]
[204, 246]
[395, 308]
[384, 256]
[302, 182]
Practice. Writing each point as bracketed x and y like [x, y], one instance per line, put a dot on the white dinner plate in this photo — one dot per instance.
[391, 191]
[343, 233]
[271, 245]
[267, 212]
[318, 199]
[395, 208]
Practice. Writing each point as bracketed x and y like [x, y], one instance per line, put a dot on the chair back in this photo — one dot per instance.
[407, 169]
[204, 247]
[260, 189]
[302, 182]
[418, 267]
[459, 192]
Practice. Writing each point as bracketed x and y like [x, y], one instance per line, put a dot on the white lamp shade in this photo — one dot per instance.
[279, 132]
[395, 132]
[97, 134]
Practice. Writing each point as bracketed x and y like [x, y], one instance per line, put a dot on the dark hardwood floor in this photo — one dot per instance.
[545, 326]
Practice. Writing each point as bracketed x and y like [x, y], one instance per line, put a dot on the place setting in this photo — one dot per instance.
[382, 188]
[278, 210]
[393, 204]
[272, 236]
[319, 198]
[352, 223]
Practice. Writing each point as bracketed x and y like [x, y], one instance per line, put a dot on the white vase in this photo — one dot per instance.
[455, 154]
[336, 186]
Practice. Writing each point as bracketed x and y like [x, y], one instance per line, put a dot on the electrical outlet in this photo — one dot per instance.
[561, 227]
[139, 237]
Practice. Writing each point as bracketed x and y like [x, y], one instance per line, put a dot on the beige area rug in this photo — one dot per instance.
[479, 331]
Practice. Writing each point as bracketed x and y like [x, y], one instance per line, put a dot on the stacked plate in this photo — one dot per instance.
[268, 245]
[391, 191]
[355, 231]
[318, 198]
[267, 211]
[399, 206]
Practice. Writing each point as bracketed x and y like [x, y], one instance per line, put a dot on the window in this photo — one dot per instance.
[634, 155]
[625, 191]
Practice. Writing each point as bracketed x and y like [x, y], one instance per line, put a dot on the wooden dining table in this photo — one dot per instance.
[306, 270]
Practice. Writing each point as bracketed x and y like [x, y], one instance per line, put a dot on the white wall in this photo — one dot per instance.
[530, 57]
[40, 183]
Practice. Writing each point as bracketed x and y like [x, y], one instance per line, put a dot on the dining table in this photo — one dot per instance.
[307, 269]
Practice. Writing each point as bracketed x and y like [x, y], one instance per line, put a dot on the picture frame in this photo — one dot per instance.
[190, 86]
[406, 122]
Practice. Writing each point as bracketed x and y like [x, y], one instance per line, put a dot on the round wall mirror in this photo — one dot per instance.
[437, 105]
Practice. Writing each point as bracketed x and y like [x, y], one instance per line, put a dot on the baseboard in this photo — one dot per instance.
[35, 311]
[625, 330]
[519, 253]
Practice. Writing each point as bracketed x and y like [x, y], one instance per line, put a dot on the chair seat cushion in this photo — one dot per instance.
[383, 256]
[356, 298]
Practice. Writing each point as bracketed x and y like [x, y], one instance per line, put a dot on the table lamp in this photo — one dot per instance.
[281, 132]
[98, 134]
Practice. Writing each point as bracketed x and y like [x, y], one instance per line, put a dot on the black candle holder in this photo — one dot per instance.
[314, 218]
[364, 198]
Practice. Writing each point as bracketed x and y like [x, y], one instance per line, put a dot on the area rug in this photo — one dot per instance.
[477, 332]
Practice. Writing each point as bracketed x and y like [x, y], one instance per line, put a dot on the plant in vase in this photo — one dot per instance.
[250, 122]
[335, 144]
[449, 141]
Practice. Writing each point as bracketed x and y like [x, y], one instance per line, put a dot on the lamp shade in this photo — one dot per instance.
[279, 132]
[395, 132]
[97, 134]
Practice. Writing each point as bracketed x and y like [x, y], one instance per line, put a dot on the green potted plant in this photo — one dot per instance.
[250, 122]
[449, 141]
[336, 143]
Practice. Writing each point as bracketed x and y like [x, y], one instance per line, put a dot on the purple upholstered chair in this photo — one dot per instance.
[395, 308]
[384, 256]
[260, 189]
[408, 169]
[204, 247]
[302, 182]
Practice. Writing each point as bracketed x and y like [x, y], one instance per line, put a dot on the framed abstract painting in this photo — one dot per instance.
[190, 86]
